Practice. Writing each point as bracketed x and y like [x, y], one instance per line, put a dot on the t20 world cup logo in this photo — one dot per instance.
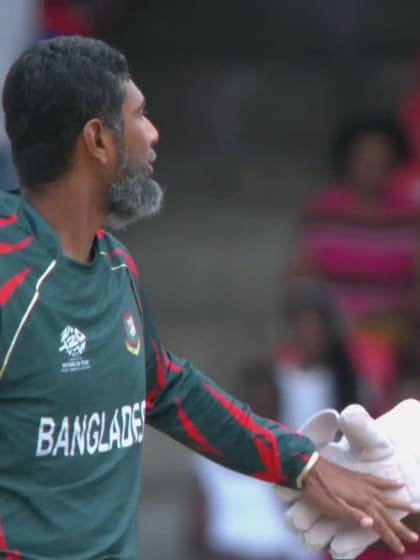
[73, 342]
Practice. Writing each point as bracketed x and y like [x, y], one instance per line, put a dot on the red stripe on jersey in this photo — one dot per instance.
[288, 430]
[170, 366]
[100, 233]
[194, 434]
[6, 248]
[8, 288]
[129, 261]
[8, 221]
[150, 397]
[160, 377]
[303, 457]
[263, 439]
[15, 555]
[3, 544]
[266, 456]
[160, 374]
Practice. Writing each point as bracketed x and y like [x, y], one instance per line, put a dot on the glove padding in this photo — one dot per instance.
[382, 447]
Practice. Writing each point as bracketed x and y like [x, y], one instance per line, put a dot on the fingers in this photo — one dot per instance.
[374, 515]
[362, 499]
[386, 529]
[391, 530]
[336, 499]
[366, 523]
[398, 505]
[389, 501]
[383, 483]
[352, 513]
[406, 534]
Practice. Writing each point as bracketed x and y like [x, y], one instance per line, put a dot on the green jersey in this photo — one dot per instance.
[81, 371]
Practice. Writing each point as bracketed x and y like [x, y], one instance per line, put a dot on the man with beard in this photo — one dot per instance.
[81, 365]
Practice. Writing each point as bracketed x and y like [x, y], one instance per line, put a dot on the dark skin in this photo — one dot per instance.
[76, 207]
[369, 164]
[363, 500]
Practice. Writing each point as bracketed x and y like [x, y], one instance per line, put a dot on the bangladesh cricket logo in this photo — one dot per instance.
[132, 340]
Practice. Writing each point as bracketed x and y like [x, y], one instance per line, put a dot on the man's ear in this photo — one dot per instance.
[98, 141]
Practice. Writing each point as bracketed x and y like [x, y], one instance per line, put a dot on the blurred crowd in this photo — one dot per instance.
[25, 21]
[348, 311]
[348, 322]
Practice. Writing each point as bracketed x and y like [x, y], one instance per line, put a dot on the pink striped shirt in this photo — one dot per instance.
[369, 261]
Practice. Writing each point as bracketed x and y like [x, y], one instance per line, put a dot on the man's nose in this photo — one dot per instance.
[152, 133]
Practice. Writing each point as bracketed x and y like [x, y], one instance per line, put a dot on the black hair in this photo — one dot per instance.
[345, 378]
[50, 92]
[352, 131]
[310, 296]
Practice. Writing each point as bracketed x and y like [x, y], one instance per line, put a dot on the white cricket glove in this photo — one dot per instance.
[383, 447]
[321, 428]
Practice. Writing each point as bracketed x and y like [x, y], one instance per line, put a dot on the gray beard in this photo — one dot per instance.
[132, 197]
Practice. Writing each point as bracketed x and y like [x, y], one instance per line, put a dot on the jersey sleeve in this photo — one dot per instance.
[189, 407]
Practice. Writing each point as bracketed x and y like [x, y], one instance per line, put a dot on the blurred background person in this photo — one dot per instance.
[364, 243]
[80, 17]
[25, 21]
[405, 182]
[311, 360]
[19, 28]
[233, 517]
[68, 17]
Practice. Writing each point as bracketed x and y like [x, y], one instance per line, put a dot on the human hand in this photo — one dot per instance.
[346, 497]
[383, 446]
[321, 428]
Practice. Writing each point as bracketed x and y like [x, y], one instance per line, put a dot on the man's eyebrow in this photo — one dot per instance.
[140, 108]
